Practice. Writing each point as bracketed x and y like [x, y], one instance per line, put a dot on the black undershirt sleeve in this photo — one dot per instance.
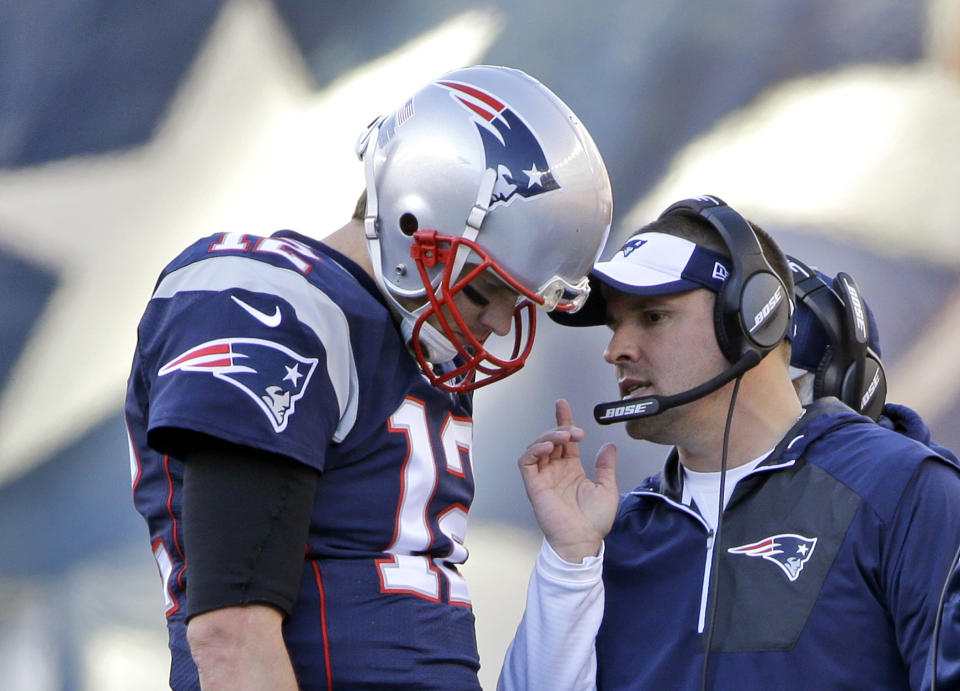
[246, 515]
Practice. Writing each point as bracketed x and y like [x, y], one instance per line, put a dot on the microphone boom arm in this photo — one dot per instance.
[647, 406]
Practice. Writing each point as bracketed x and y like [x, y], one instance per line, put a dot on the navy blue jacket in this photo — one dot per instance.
[902, 419]
[832, 558]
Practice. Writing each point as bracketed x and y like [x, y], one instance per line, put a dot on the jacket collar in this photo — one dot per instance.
[818, 418]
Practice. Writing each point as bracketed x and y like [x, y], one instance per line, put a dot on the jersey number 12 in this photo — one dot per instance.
[407, 571]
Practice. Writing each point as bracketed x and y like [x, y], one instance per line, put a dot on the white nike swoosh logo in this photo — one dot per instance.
[271, 320]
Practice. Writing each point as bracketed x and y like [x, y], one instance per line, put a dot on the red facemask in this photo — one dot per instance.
[431, 248]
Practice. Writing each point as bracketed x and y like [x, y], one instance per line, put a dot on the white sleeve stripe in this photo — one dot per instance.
[318, 311]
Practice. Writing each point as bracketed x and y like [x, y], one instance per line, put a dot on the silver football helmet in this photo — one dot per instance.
[484, 168]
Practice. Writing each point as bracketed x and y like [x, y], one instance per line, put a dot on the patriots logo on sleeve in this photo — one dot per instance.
[272, 375]
[789, 552]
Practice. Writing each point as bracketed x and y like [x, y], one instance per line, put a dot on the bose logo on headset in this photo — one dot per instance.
[857, 309]
[762, 315]
[630, 409]
[872, 389]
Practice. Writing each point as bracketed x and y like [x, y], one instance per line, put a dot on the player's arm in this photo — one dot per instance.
[241, 648]
[246, 515]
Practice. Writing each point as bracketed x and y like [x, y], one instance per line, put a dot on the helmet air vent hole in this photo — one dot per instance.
[408, 224]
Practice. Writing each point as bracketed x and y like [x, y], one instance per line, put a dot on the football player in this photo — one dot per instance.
[299, 412]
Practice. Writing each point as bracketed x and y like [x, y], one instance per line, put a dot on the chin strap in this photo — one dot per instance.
[437, 349]
[479, 211]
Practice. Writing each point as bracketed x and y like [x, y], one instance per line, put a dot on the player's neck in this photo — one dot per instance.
[349, 241]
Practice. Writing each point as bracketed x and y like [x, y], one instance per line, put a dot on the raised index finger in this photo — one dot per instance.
[564, 413]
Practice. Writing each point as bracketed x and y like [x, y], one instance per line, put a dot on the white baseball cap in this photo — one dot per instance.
[649, 264]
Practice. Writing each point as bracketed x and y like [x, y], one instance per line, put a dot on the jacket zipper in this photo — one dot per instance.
[705, 586]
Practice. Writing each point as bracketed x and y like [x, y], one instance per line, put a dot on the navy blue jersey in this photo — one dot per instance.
[284, 345]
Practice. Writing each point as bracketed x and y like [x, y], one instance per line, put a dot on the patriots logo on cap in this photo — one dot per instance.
[632, 245]
[510, 147]
[789, 552]
[272, 375]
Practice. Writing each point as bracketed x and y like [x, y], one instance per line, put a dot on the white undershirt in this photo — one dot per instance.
[704, 488]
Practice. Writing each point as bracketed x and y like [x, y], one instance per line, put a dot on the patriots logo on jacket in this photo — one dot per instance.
[509, 146]
[272, 375]
[789, 552]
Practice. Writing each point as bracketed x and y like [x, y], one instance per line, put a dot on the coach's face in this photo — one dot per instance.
[664, 345]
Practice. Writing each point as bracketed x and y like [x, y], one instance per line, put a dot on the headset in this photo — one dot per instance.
[849, 368]
[753, 309]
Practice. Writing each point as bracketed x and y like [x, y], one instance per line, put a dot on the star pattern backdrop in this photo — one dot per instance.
[129, 129]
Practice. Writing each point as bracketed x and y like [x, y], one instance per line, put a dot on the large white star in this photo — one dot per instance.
[249, 145]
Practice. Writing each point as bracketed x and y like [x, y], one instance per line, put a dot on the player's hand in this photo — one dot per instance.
[574, 512]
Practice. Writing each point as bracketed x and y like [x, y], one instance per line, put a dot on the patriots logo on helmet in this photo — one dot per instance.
[789, 552]
[509, 146]
[272, 375]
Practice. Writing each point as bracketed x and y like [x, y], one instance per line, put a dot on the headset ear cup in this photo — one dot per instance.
[824, 372]
[732, 348]
[832, 376]
[869, 400]
[765, 311]
[756, 300]
[848, 393]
